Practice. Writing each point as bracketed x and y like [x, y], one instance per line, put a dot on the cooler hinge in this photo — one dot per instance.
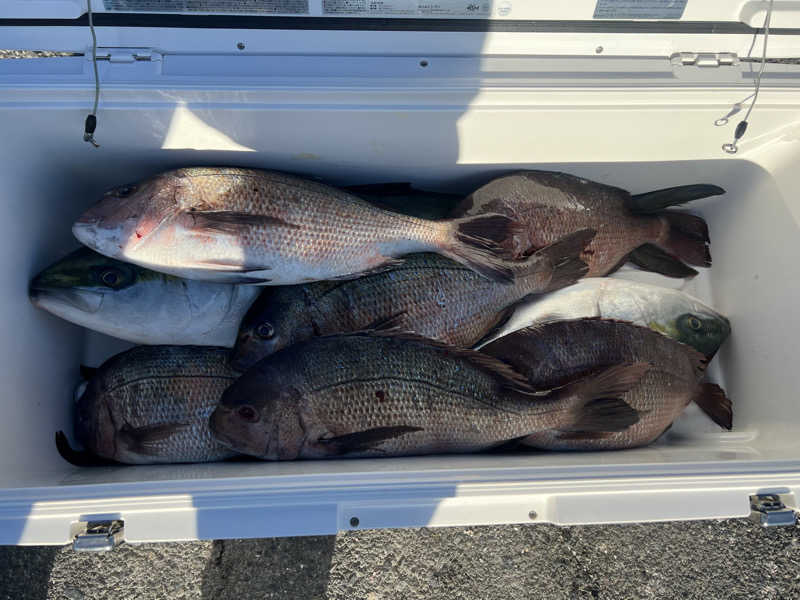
[773, 510]
[706, 65]
[704, 60]
[125, 55]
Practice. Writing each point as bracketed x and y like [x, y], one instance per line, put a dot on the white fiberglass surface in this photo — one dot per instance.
[49, 176]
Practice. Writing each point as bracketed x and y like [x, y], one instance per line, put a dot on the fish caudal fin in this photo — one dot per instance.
[598, 406]
[653, 202]
[564, 256]
[712, 400]
[688, 238]
[476, 244]
[652, 258]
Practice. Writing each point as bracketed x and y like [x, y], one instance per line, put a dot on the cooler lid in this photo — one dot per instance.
[748, 12]
[630, 28]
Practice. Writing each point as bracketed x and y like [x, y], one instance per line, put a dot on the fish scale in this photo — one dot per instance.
[151, 386]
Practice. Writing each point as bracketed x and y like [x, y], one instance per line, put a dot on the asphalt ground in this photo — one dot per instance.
[710, 560]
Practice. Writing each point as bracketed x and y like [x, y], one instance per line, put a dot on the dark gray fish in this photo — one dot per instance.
[151, 405]
[428, 294]
[390, 394]
[553, 354]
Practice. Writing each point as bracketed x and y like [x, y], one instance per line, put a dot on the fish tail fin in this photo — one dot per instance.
[652, 258]
[475, 242]
[598, 406]
[688, 238]
[563, 258]
[712, 400]
[653, 202]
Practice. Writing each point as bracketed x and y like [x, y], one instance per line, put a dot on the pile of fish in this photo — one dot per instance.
[282, 318]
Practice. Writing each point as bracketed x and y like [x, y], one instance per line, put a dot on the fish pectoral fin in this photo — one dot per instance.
[233, 223]
[389, 264]
[87, 372]
[143, 439]
[391, 323]
[365, 440]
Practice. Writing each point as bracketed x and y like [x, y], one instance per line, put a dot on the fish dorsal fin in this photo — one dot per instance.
[504, 373]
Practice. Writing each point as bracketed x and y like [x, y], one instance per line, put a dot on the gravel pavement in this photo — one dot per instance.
[713, 560]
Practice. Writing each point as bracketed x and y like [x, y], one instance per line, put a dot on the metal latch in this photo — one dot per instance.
[773, 510]
[126, 55]
[98, 536]
[716, 66]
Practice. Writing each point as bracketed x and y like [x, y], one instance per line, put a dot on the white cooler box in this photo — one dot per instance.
[445, 100]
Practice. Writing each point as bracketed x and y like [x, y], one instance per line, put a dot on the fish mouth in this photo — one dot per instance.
[52, 299]
[240, 360]
[216, 425]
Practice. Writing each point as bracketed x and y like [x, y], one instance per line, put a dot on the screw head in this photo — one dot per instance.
[423, 63]
[598, 50]
[533, 515]
[354, 522]
[240, 45]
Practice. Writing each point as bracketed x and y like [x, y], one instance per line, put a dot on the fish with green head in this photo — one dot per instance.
[670, 312]
[132, 303]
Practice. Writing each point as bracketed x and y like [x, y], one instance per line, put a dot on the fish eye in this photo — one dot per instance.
[694, 323]
[265, 331]
[110, 277]
[123, 191]
[247, 413]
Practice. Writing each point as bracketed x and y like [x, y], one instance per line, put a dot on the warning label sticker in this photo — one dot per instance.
[639, 9]
[438, 8]
[283, 7]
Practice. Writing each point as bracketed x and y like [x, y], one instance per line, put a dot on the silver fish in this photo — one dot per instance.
[671, 312]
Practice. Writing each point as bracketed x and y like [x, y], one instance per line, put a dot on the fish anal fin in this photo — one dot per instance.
[652, 258]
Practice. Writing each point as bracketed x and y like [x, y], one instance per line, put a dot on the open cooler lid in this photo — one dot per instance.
[578, 27]
[748, 12]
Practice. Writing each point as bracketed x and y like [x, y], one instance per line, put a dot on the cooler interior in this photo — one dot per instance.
[639, 139]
